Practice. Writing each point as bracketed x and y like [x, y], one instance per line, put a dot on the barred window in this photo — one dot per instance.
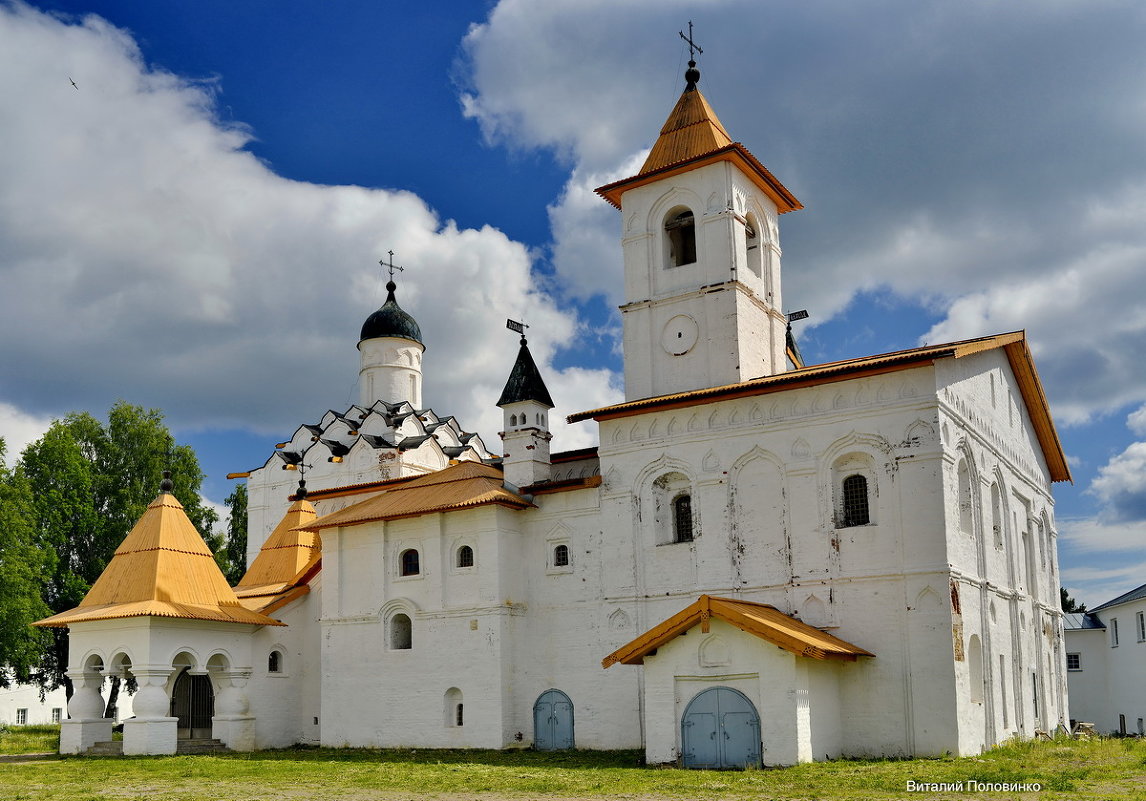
[465, 556]
[1074, 661]
[561, 556]
[682, 518]
[410, 562]
[458, 717]
[855, 502]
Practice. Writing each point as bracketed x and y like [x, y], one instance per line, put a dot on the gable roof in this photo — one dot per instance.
[161, 569]
[761, 620]
[459, 486]
[1014, 344]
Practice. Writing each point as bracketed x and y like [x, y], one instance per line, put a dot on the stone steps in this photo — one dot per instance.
[106, 748]
[198, 746]
[201, 746]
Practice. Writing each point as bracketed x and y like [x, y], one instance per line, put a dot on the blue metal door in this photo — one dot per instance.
[552, 721]
[720, 729]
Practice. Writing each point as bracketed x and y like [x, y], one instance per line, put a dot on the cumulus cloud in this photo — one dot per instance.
[144, 252]
[986, 161]
[18, 429]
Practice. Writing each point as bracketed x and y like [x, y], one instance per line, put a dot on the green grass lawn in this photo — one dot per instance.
[1076, 770]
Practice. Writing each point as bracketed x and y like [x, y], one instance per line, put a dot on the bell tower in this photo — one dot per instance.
[702, 258]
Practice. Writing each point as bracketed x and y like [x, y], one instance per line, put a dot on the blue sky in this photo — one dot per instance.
[196, 227]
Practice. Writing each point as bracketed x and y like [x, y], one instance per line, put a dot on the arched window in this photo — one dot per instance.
[966, 523]
[855, 507]
[682, 518]
[401, 634]
[680, 229]
[465, 556]
[275, 662]
[512, 420]
[561, 556]
[752, 255]
[409, 561]
[454, 712]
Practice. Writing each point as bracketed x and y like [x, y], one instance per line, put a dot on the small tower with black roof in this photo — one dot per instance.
[525, 405]
[390, 351]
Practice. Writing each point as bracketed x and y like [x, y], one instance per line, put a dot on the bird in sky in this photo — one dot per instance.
[74, 84]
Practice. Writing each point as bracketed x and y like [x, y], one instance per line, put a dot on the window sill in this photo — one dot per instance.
[414, 577]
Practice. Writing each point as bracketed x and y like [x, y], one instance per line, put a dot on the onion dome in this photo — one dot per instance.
[391, 321]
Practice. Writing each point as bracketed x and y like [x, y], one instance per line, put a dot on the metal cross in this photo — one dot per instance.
[691, 44]
[391, 266]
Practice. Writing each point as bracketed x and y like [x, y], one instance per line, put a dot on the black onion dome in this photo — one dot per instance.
[525, 382]
[391, 321]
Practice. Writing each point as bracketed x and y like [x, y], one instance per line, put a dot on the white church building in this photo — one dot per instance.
[763, 562]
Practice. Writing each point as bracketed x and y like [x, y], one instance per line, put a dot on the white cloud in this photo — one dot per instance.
[1136, 421]
[18, 430]
[1093, 535]
[989, 180]
[148, 256]
[1097, 585]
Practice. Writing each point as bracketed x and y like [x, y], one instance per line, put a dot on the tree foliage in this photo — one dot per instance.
[1068, 603]
[232, 558]
[21, 565]
[89, 483]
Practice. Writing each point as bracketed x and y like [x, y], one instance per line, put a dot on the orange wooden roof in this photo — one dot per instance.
[691, 130]
[692, 137]
[286, 551]
[459, 486]
[1014, 344]
[161, 569]
[764, 621]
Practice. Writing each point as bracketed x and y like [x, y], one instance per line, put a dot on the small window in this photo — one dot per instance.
[1141, 626]
[561, 556]
[21, 717]
[512, 420]
[1113, 632]
[458, 716]
[681, 231]
[275, 662]
[855, 502]
[57, 714]
[1074, 661]
[409, 561]
[465, 556]
[401, 636]
[682, 518]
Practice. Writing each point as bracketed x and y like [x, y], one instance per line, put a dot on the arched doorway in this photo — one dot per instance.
[720, 730]
[193, 702]
[552, 721]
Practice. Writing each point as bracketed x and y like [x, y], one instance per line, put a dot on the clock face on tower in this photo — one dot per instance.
[679, 335]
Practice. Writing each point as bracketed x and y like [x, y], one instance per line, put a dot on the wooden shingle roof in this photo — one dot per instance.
[163, 568]
[761, 620]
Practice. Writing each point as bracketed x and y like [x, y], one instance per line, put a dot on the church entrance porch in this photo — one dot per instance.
[552, 721]
[193, 704]
[720, 730]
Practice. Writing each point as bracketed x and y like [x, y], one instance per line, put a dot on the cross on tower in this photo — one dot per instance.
[390, 265]
[691, 44]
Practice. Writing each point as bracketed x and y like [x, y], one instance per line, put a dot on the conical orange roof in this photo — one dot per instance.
[692, 130]
[161, 569]
[287, 551]
[693, 137]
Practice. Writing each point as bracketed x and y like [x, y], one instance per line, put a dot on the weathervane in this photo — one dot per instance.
[514, 325]
[390, 265]
[691, 44]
